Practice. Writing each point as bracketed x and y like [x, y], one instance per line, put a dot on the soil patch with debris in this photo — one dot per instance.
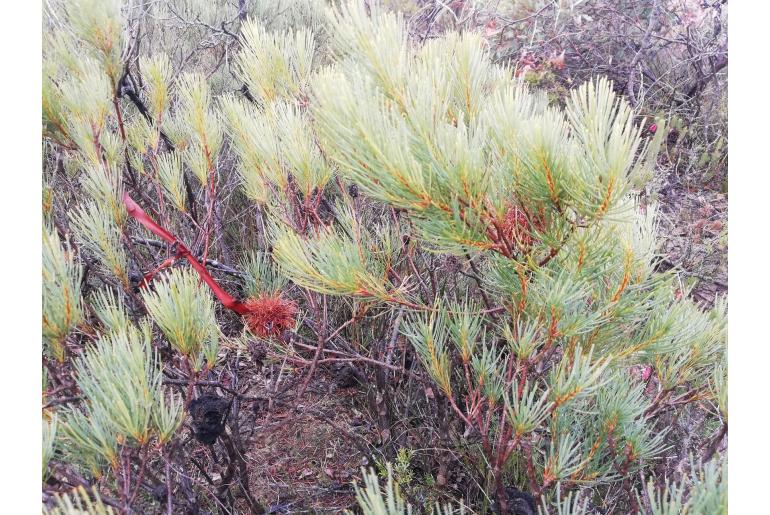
[305, 454]
[693, 223]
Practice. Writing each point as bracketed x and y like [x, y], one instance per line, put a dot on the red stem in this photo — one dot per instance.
[227, 300]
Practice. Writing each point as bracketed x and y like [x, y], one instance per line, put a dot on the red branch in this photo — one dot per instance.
[227, 300]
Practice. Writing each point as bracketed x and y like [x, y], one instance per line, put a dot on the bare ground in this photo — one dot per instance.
[693, 225]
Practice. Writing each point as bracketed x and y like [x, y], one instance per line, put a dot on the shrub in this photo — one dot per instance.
[487, 258]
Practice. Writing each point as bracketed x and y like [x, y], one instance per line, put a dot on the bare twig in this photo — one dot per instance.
[644, 46]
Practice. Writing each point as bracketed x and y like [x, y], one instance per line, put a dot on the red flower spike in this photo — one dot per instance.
[270, 315]
[652, 128]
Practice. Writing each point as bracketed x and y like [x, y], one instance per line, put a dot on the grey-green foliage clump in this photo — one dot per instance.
[185, 314]
[62, 308]
[125, 404]
[373, 499]
[49, 442]
[262, 277]
[704, 491]
[79, 502]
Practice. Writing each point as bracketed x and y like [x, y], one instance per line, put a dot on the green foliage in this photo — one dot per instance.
[120, 379]
[263, 277]
[167, 416]
[158, 71]
[275, 146]
[428, 334]
[291, 14]
[576, 378]
[526, 412]
[400, 470]
[275, 65]
[184, 311]
[334, 263]
[62, 308]
[570, 504]
[705, 491]
[421, 202]
[76, 101]
[171, 177]
[719, 389]
[203, 129]
[79, 502]
[111, 311]
[545, 199]
[100, 24]
[465, 328]
[97, 233]
[374, 500]
[103, 185]
[49, 442]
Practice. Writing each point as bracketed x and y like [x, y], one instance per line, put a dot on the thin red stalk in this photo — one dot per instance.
[523, 381]
[149, 276]
[227, 300]
[142, 465]
[116, 104]
[169, 503]
[143, 218]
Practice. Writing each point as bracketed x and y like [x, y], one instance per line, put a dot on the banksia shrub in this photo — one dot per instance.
[341, 194]
[542, 200]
